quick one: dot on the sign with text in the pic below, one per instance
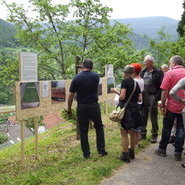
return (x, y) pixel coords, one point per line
(28, 67)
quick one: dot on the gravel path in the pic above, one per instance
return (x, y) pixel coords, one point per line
(150, 169)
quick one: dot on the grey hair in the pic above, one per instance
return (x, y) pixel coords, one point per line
(177, 60)
(164, 66)
(148, 57)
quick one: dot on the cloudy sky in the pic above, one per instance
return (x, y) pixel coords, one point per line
(129, 8)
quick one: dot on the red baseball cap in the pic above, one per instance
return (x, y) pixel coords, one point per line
(137, 67)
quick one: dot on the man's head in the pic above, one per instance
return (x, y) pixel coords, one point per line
(149, 61)
(176, 60)
(164, 68)
(87, 64)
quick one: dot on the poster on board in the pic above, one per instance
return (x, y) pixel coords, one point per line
(28, 67)
(58, 91)
(110, 84)
(29, 95)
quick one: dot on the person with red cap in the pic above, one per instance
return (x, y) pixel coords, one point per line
(137, 69)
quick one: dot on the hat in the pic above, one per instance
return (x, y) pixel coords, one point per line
(128, 69)
(137, 67)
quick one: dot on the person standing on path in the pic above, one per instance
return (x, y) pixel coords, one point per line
(151, 95)
(140, 81)
(85, 84)
(172, 109)
(176, 95)
(132, 118)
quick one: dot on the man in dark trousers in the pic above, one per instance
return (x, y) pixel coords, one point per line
(85, 84)
(151, 95)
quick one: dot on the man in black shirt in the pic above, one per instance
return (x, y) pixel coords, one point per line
(85, 84)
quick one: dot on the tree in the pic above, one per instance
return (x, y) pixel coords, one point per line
(181, 25)
(44, 33)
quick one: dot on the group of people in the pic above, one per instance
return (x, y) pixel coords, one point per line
(141, 90)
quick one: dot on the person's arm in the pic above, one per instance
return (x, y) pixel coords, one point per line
(113, 90)
(163, 101)
(122, 94)
(173, 93)
(70, 101)
(140, 98)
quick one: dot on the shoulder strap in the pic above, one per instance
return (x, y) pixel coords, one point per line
(131, 94)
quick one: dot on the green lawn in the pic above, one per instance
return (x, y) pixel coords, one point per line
(61, 160)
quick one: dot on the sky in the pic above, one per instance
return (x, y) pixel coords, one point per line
(129, 8)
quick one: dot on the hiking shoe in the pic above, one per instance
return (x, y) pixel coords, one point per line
(154, 139)
(125, 157)
(104, 153)
(131, 153)
(160, 152)
(177, 157)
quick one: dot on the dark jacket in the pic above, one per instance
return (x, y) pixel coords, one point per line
(157, 77)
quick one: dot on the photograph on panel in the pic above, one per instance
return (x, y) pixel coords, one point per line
(58, 91)
(29, 95)
(110, 84)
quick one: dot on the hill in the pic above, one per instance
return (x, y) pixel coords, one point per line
(148, 26)
(7, 34)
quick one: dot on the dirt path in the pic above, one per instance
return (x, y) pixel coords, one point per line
(150, 169)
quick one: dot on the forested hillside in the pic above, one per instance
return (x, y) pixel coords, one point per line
(7, 34)
(147, 26)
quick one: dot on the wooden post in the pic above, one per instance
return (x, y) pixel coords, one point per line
(36, 137)
(22, 142)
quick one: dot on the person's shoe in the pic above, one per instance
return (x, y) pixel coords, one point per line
(177, 157)
(154, 139)
(125, 157)
(160, 152)
(131, 153)
(183, 165)
(104, 153)
(87, 156)
(172, 139)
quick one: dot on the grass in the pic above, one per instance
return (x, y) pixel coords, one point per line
(61, 161)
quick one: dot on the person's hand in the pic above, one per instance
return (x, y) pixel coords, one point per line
(68, 112)
(162, 109)
(113, 90)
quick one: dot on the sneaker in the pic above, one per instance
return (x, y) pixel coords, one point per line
(183, 165)
(160, 152)
(154, 139)
(177, 157)
(104, 153)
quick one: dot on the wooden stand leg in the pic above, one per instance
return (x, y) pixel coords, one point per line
(22, 142)
(36, 137)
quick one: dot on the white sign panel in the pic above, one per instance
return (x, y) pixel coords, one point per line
(45, 89)
(28, 67)
(109, 70)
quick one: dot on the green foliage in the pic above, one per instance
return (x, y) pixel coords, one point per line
(30, 122)
(72, 119)
(7, 34)
(162, 49)
(181, 25)
(60, 156)
(3, 138)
